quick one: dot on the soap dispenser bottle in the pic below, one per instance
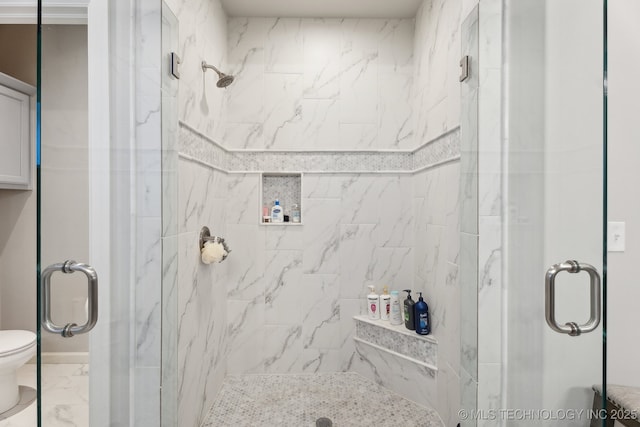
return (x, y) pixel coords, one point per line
(277, 215)
(408, 311)
(385, 304)
(421, 316)
(373, 303)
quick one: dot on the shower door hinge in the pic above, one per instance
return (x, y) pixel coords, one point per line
(175, 61)
(464, 65)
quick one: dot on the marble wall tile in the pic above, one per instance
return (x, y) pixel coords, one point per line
(408, 379)
(197, 199)
(395, 213)
(244, 99)
(469, 304)
(148, 293)
(343, 81)
(283, 348)
(361, 198)
(395, 47)
(359, 71)
(284, 46)
(357, 255)
(203, 36)
(449, 316)
(448, 404)
(318, 360)
(322, 186)
(283, 287)
(246, 263)
(393, 267)
(348, 309)
(322, 70)
(244, 135)
(468, 397)
(282, 123)
(169, 395)
(202, 328)
(322, 240)
(244, 207)
(489, 375)
(358, 135)
(320, 124)
(246, 338)
(284, 238)
(321, 312)
(489, 289)
(395, 120)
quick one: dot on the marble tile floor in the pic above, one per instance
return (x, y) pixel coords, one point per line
(65, 400)
(298, 400)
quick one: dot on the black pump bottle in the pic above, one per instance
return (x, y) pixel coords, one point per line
(409, 322)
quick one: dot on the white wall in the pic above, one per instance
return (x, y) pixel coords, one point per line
(624, 151)
(64, 199)
(18, 58)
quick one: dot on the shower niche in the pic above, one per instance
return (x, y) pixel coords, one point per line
(287, 189)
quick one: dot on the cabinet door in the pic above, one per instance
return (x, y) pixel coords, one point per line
(14, 139)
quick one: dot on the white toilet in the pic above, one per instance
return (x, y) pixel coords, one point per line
(16, 348)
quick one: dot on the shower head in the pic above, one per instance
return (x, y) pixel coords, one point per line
(224, 80)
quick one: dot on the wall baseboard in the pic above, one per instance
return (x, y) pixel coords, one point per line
(80, 357)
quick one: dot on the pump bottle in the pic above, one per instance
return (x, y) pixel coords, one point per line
(408, 311)
(373, 303)
(396, 312)
(385, 304)
(421, 316)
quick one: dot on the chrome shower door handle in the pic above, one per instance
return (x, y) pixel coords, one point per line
(70, 329)
(572, 328)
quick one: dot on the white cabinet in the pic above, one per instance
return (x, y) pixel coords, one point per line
(16, 134)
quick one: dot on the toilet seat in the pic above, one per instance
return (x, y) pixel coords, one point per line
(12, 342)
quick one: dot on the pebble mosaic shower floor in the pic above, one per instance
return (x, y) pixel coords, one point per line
(346, 398)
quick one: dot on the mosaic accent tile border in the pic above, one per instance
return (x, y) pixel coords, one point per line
(202, 148)
(443, 149)
(397, 339)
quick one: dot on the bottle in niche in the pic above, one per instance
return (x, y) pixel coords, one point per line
(421, 316)
(408, 311)
(277, 214)
(373, 303)
(265, 214)
(385, 304)
(295, 213)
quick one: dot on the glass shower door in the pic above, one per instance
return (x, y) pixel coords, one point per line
(68, 300)
(556, 173)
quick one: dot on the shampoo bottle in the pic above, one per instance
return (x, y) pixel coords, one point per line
(421, 316)
(396, 312)
(408, 311)
(373, 303)
(277, 215)
(385, 304)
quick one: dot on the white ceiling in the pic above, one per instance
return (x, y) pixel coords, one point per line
(323, 8)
